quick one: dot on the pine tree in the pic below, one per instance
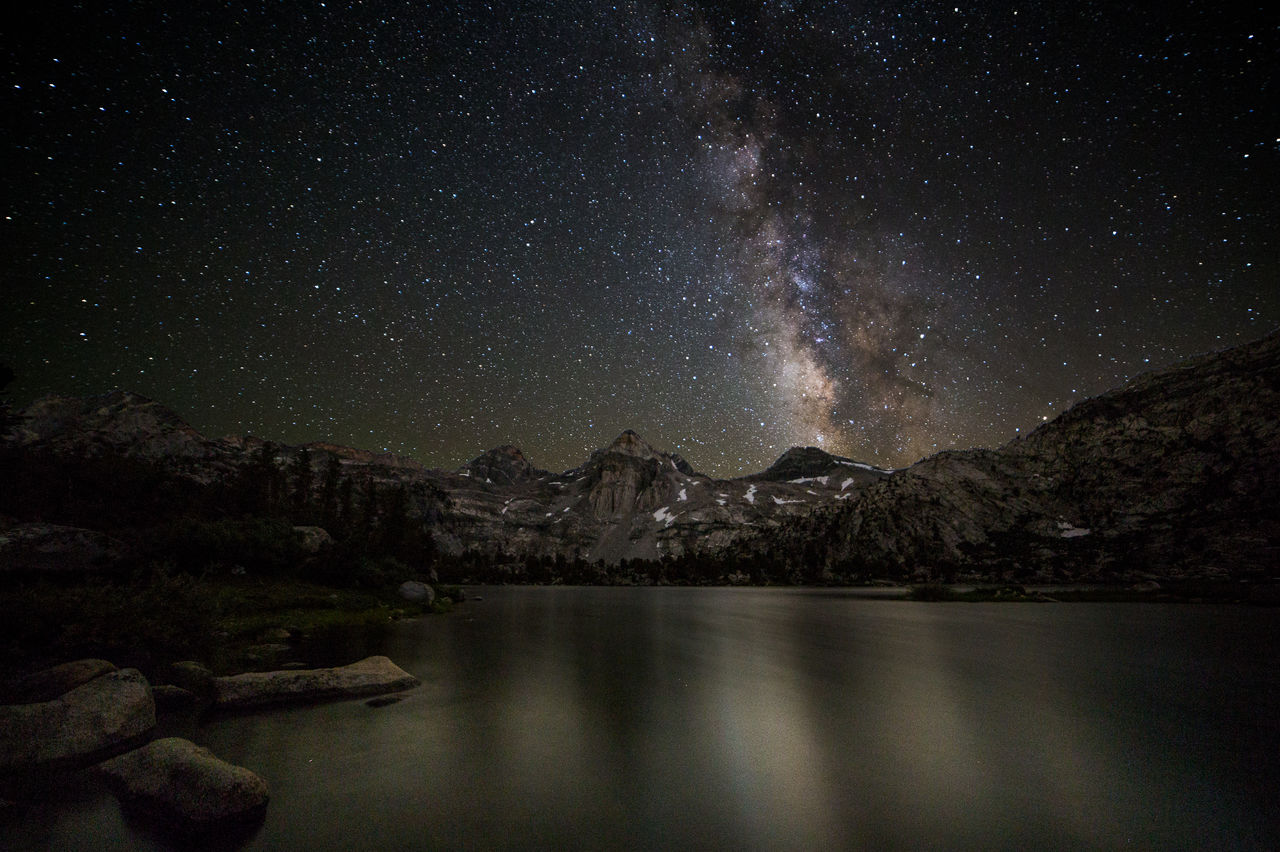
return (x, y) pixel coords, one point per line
(302, 478)
(329, 495)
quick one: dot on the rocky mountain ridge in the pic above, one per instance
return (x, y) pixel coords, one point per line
(626, 501)
(1176, 474)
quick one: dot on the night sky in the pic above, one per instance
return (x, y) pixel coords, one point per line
(437, 228)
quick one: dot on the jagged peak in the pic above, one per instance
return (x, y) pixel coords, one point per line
(799, 462)
(504, 464)
(508, 451)
(630, 443)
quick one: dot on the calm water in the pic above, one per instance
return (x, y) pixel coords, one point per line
(590, 718)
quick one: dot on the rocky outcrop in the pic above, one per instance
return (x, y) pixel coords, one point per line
(105, 715)
(119, 423)
(504, 465)
(417, 592)
(370, 676)
(626, 476)
(1175, 475)
(183, 783)
(192, 677)
(811, 463)
(53, 548)
(48, 684)
(627, 501)
(312, 539)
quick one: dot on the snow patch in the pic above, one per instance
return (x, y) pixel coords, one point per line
(846, 483)
(750, 496)
(721, 500)
(664, 515)
(1072, 531)
(782, 502)
(684, 495)
(805, 480)
(862, 466)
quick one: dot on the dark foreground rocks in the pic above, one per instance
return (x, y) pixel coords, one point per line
(78, 713)
(48, 684)
(186, 785)
(55, 549)
(370, 676)
(105, 715)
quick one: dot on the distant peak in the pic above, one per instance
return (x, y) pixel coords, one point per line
(811, 461)
(631, 443)
(504, 464)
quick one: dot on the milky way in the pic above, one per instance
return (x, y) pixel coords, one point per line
(883, 230)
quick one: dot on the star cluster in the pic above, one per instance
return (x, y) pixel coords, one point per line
(436, 228)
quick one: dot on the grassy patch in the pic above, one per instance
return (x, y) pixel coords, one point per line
(158, 616)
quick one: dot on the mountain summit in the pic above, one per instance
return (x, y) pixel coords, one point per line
(503, 465)
(1175, 476)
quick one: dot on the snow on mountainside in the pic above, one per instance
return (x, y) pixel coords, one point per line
(627, 501)
(1176, 474)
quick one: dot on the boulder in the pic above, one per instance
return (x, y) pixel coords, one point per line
(193, 677)
(52, 548)
(170, 697)
(187, 784)
(50, 683)
(267, 655)
(416, 592)
(312, 539)
(370, 676)
(104, 716)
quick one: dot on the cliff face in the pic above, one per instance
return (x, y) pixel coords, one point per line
(1176, 474)
(627, 501)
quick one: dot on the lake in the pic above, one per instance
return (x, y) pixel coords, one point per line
(602, 718)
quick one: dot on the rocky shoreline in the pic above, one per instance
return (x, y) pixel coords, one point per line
(89, 717)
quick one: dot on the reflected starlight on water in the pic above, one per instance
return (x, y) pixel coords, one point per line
(767, 719)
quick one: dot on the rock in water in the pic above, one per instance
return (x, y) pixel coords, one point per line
(105, 715)
(50, 683)
(412, 590)
(186, 784)
(370, 676)
(193, 677)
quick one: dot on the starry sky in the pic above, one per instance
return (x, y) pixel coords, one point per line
(886, 230)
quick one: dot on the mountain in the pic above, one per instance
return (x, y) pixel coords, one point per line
(1175, 475)
(627, 501)
(812, 463)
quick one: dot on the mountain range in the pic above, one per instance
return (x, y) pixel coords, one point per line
(1177, 474)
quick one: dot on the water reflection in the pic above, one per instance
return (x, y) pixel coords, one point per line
(771, 719)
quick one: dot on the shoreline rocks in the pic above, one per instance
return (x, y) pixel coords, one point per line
(186, 785)
(48, 684)
(370, 676)
(103, 716)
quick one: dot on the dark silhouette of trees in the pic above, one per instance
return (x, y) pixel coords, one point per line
(302, 477)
